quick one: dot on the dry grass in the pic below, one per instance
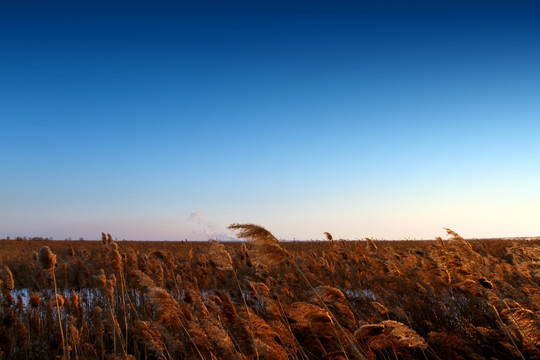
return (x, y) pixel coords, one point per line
(265, 299)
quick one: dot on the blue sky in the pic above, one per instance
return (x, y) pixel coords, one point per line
(171, 120)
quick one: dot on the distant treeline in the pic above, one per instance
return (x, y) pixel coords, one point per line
(33, 238)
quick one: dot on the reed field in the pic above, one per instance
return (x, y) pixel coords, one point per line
(265, 299)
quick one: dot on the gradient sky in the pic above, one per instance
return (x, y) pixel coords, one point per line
(172, 120)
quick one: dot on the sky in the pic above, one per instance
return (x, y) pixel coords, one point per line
(170, 120)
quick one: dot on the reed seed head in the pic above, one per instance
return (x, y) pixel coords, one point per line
(46, 258)
(8, 279)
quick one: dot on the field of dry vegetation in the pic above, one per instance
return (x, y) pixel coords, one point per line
(265, 299)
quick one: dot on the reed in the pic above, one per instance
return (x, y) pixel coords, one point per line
(266, 299)
(47, 261)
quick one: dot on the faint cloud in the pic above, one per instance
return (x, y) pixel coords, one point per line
(197, 215)
(205, 230)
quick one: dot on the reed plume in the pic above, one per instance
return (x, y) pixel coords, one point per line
(148, 333)
(220, 256)
(266, 248)
(46, 258)
(371, 245)
(34, 300)
(337, 303)
(394, 334)
(167, 309)
(453, 235)
(114, 258)
(9, 284)
(144, 281)
(440, 242)
(525, 323)
(253, 232)
(381, 309)
(368, 331)
(267, 341)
